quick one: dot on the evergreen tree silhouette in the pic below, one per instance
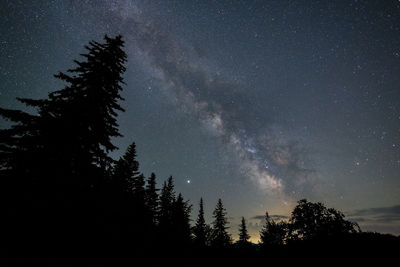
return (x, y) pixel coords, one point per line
(138, 191)
(88, 106)
(152, 209)
(220, 237)
(152, 199)
(200, 228)
(243, 234)
(54, 164)
(167, 200)
(181, 222)
(126, 170)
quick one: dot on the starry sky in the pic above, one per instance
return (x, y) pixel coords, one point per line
(260, 103)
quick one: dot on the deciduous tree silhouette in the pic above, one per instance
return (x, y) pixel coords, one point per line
(272, 234)
(313, 220)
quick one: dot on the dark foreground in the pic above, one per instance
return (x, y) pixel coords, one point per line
(363, 248)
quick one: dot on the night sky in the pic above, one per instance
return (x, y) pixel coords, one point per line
(260, 103)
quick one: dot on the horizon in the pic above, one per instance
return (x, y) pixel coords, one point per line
(258, 103)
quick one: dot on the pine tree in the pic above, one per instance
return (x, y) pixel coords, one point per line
(181, 222)
(87, 107)
(70, 134)
(64, 146)
(126, 170)
(243, 234)
(220, 236)
(200, 229)
(152, 199)
(167, 199)
(54, 163)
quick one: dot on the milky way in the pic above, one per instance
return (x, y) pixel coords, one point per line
(260, 103)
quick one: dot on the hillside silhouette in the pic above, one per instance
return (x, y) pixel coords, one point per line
(66, 202)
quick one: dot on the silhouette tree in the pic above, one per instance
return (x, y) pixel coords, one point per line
(138, 191)
(220, 237)
(126, 170)
(62, 187)
(167, 200)
(88, 106)
(272, 234)
(54, 163)
(152, 200)
(243, 234)
(63, 147)
(181, 222)
(200, 228)
(313, 220)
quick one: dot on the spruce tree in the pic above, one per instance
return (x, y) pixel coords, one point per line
(87, 107)
(220, 237)
(126, 170)
(54, 163)
(243, 234)
(181, 234)
(64, 145)
(152, 199)
(200, 229)
(167, 200)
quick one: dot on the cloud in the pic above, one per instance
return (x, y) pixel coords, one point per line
(385, 215)
(380, 219)
(274, 217)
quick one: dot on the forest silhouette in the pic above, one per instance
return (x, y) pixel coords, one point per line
(66, 202)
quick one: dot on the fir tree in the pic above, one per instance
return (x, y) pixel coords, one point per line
(181, 222)
(87, 107)
(54, 163)
(152, 199)
(243, 234)
(167, 200)
(200, 229)
(126, 170)
(138, 189)
(220, 237)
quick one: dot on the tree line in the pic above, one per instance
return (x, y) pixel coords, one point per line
(65, 198)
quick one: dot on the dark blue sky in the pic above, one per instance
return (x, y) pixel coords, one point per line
(260, 103)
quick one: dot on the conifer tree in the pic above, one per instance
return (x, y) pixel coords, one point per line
(200, 229)
(126, 170)
(152, 199)
(70, 134)
(181, 222)
(220, 237)
(243, 234)
(54, 163)
(87, 107)
(167, 199)
(138, 189)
